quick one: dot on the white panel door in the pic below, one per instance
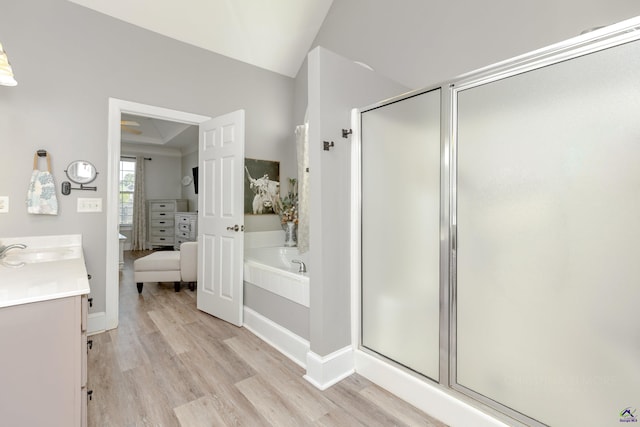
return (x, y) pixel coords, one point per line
(221, 217)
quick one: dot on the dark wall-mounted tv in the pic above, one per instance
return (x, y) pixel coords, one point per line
(195, 178)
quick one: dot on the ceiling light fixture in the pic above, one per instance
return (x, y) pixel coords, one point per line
(6, 73)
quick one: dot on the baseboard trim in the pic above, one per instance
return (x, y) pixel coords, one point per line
(96, 323)
(421, 394)
(325, 371)
(280, 338)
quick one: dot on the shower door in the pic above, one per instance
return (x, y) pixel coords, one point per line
(548, 230)
(400, 231)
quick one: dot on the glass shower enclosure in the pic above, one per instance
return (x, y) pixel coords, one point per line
(401, 198)
(500, 221)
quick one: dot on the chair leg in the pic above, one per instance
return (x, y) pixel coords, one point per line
(139, 284)
(176, 286)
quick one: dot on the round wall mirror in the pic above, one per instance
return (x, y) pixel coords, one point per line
(81, 172)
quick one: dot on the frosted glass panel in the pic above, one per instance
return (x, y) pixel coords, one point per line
(548, 265)
(400, 231)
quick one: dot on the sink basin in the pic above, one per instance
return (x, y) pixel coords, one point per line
(50, 267)
(18, 257)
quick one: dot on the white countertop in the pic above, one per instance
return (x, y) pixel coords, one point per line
(50, 267)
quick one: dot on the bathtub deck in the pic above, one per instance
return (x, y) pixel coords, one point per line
(169, 364)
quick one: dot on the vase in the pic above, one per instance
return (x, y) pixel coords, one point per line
(290, 234)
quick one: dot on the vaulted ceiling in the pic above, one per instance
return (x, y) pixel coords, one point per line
(275, 35)
(271, 34)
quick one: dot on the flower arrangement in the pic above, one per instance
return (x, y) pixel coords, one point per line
(288, 208)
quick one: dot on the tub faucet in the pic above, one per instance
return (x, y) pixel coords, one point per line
(303, 267)
(5, 249)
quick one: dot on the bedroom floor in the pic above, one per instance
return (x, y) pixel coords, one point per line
(169, 364)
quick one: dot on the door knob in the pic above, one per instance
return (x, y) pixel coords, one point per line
(234, 228)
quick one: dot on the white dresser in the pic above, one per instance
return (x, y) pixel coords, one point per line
(186, 228)
(162, 221)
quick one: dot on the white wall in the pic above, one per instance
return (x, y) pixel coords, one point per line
(68, 61)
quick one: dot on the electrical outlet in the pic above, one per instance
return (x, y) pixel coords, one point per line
(4, 204)
(89, 205)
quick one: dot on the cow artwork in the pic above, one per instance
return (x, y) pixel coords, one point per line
(264, 193)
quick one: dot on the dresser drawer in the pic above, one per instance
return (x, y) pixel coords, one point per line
(182, 234)
(161, 240)
(162, 206)
(161, 231)
(161, 215)
(162, 223)
(179, 241)
(183, 219)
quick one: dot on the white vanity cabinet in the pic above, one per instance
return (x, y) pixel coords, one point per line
(186, 228)
(43, 332)
(43, 363)
(161, 220)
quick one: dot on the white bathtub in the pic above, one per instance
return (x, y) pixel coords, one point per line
(271, 269)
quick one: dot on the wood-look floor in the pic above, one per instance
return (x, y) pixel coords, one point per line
(169, 364)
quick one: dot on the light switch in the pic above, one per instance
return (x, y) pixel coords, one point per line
(89, 205)
(4, 204)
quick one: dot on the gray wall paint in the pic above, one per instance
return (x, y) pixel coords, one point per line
(420, 43)
(416, 43)
(162, 174)
(336, 85)
(190, 161)
(162, 177)
(287, 314)
(68, 61)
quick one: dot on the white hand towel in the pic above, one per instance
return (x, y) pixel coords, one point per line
(41, 196)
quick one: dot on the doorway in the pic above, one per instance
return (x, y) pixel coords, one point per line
(117, 107)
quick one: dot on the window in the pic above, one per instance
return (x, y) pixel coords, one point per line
(127, 185)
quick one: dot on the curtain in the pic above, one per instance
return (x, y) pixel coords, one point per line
(302, 148)
(139, 231)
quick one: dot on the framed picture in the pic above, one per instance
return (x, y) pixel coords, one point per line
(261, 187)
